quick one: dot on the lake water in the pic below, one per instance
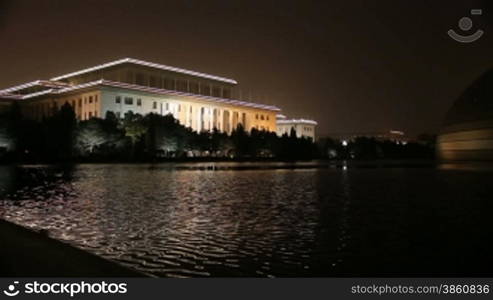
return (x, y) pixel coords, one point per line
(226, 219)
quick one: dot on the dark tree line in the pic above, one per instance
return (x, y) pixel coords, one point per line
(364, 148)
(154, 137)
(135, 138)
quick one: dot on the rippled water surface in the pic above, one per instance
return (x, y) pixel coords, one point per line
(169, 220)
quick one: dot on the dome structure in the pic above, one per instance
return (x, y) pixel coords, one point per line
(467, 132)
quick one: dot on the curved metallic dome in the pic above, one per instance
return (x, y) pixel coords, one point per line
(467, 132)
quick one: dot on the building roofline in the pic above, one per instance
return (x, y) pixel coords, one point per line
(109, 83)
(148, 64)
(43, 83)
(10, 97)
(297, 121)
(20, 87)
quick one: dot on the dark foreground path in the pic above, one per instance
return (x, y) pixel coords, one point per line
(25, 253)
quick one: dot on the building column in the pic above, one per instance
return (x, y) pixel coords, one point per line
(211, 111)
(231, 121)
(220, 120)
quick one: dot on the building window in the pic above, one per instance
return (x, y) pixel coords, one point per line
(80, 102)
(90, 114)
(96, 99)
(267, 117)
(167, 106)
(118, 114)
(169, 84)
(261, 117)
(256, 116)
(140, 79)
(216, 91)
(118, 99)
(182, 85)
(154, 105)
(205, 89)
(139, 102)
(194, 87)
(90, 99)
(129, 100)
(226, 93)
(153, 81)
(129, 77)
(202, 121)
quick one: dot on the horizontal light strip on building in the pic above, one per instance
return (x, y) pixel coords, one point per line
(147, 64)
(297, 121)
(152, 90)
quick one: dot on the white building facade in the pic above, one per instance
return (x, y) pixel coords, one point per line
(197, 100)
(303, 127)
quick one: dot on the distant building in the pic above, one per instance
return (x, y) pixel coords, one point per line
(397, 136)
(197, 100)
(303, 127)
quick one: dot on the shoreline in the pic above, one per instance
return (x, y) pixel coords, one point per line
(234, 161)
(27, 253)
(244, 165)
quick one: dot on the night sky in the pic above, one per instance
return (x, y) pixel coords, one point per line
(354, 66)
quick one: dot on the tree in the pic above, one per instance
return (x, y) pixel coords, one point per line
(165, 134)
(134, 128)
(59, 133)
(240, 140)
(6, 138)
(90, 135)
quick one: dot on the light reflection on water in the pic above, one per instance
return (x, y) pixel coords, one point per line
(307, 222)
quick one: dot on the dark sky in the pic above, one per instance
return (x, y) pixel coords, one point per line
(354, 66)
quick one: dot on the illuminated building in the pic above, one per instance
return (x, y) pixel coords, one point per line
(303, 127)
(197, 100)
(467, 132)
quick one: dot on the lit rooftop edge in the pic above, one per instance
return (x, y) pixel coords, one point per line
(147, 64)
(297, 121)
(149, 90)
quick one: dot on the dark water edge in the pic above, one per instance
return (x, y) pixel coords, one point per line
(233, 164)
(26, 253)
(305, 219)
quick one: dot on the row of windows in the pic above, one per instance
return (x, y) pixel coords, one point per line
(45, 109)
(262, 117)
(130, 101)
(288, 129)
(182, 85)
(90, 114)
(86, 100)
(267, 128)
